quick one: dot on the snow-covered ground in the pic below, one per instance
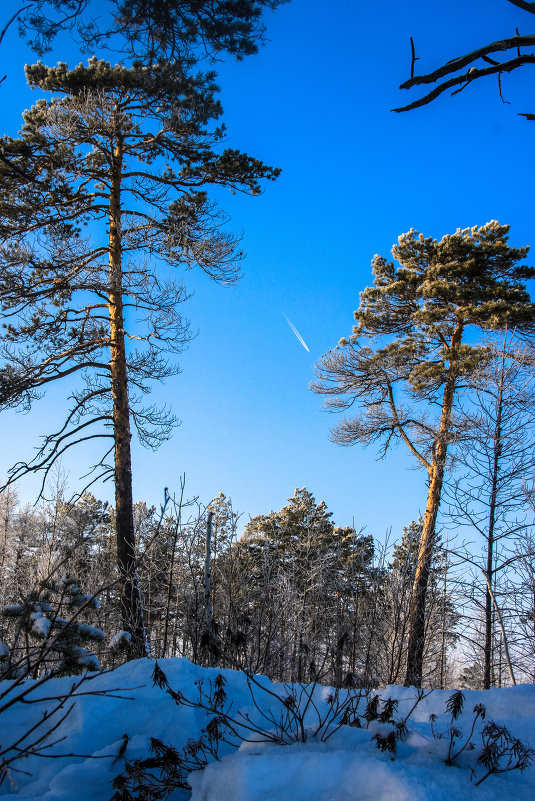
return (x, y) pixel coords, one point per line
(347, 767)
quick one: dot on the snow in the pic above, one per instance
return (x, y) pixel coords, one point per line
(346, 767)
(86, 659)
(315, 771)
(120, 640)
(41, 624)
(90, 632)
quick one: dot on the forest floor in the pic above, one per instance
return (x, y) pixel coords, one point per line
(346, 766)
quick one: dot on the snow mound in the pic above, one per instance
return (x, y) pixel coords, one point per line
(348, 766)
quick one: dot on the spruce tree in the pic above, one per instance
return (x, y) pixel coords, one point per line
(421, 318)
(127, 152)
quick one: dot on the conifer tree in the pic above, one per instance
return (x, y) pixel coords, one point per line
(147, 29)
(306, 582)
(420, 316)
(127, 152)
(300, 532)
(224, 524)
(55, 636)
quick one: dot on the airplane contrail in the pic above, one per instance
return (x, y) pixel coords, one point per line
(296, 332)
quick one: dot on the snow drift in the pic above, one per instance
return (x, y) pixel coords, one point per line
(88, 745)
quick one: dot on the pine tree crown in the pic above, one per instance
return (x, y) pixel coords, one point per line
(471, 277)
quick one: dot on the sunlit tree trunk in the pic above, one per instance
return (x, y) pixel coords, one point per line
(415, 649)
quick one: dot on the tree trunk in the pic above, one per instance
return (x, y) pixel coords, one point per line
(497, 448)
(130, 600)
(443, 642)
(415, 649)
(209, 642)
(504, 635)
(169, 593)
(208, 612)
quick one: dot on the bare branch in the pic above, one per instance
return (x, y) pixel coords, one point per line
(472, 74)
(414, 57)
(525, 5)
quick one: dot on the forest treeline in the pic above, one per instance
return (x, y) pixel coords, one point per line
(295, 597)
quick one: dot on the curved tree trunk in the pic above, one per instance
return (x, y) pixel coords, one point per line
(416, 644)
(130, 600)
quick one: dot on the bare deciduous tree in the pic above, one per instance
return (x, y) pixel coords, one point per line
(487, 492)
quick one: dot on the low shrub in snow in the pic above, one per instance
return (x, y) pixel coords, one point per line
(500, 752)
(300, 714)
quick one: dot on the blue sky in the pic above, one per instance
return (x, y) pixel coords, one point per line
(316, 101)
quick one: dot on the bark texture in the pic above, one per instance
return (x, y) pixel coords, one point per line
(130, 599)
(416, 643)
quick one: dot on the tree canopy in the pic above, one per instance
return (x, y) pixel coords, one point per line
(146, 29)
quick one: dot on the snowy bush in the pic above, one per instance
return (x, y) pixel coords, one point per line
(47, 633)
(500, 751)
(118, 716)
(298, 714)
(120, 641)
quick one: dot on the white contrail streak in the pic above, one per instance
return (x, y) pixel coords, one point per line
(296, 332)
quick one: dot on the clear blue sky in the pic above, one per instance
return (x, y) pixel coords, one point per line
(316, 102)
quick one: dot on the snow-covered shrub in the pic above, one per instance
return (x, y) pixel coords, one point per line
(47, 632)
(299, 713)
(120, 641)
(305, 713)
(47, 637)
(500, 751)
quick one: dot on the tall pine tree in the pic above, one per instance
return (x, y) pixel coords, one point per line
(128, 153)
(420, 317)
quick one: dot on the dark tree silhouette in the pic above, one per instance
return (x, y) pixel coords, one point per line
(495, 58)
